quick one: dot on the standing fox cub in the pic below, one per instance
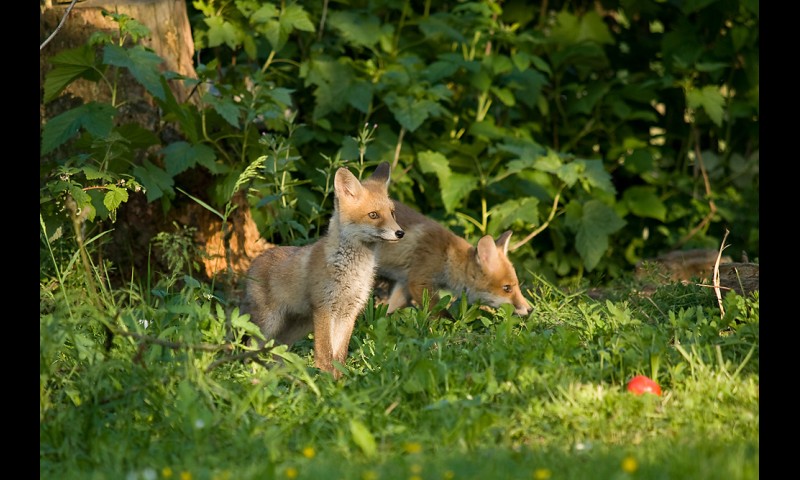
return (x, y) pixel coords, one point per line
(432, 257)
(322, 287)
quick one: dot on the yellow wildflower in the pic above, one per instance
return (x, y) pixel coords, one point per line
(629, 464)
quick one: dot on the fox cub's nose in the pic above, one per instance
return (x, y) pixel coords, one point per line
(399, 234)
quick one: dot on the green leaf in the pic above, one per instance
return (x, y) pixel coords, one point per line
(297, 17)
(505, 214)
(96, 118)
(710, 99)
(180, 156)
(455, 188)
(281, 95)
(528, 86)
(363, 437)
(436, 27)
(360, 96)
(115, 197)
(643, 201)
(225, 107)
(357, 28)
(243, 322)
(264, 13)
(156, 181)
(570, 29)
(595, 175)
(333, 81)
(221, 31)
(434, 162)
(68, 66)
(596, 223)
(409, 112)
(142, 63)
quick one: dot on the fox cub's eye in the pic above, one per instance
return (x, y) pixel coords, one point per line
(373, 215)
(507, 288)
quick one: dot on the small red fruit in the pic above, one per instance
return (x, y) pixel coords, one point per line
(641, 384)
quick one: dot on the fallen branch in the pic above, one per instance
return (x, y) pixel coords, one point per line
(60, 24)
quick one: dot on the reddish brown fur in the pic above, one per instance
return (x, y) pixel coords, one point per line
(432, 257)
(324, 286)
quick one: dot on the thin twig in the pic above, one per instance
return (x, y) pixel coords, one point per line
(711, 205)
(716, 275)
(60, 24)
(542, 226)
(322, 20)
(398, 147)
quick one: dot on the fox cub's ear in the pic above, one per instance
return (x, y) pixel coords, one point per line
(382, 173)
(502, 241)
(345, 183)
(487, 253)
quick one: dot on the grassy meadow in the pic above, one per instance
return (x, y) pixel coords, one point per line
(154, 382)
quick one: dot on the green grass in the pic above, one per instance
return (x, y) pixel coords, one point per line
(486, 395)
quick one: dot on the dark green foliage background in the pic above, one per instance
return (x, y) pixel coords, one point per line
(493, 113)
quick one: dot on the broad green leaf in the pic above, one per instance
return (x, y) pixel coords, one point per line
(93, 173)
(411, 112)
(504, 95)
(434, 162)
(590, 27)
(710, 99)
(499, 64)
(503, 215)
(281, 95)
(181, 156)
(357, 28)
(595, 175)
(96, 118)
(436, 26)
(333, 81)
(225, 107)
(486, 128)
(455, 188)
(297, 17)
(596, 223)
(438, 70)
(156, 181)
(142, 63)
(643, 201)
(275, 34)
(264, 13)
(68, 66)
(360, 96)
(242, 322)
(221, 31)
(528, 86)
(363, 437)
(550, 163)
(115, 197)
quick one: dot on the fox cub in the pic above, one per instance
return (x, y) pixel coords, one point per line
(432, 257)
(322, 287)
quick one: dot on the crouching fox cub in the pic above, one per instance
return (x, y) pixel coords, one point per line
(322, 287)
(432, 257)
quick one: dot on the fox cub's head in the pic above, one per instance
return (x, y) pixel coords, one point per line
(364, 209)
(494, 281)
